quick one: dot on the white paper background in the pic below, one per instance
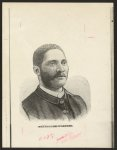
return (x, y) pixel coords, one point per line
(84, 32)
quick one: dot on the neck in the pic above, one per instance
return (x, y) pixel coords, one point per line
(52, 89)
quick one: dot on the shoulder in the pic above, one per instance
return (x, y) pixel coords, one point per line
(28, 100)
(78, 101)
(28, 103)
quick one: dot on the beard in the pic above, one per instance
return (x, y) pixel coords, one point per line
(53, 81)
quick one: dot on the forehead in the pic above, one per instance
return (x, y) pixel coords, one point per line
(54, 54)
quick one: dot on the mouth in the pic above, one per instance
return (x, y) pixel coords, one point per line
(61, 77)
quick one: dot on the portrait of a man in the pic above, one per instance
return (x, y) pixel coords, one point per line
(51, 100)
(58, 81)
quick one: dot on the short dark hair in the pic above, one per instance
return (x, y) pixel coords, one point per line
(40, 52)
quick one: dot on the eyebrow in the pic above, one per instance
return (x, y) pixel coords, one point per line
(52, 61)
(64, 60)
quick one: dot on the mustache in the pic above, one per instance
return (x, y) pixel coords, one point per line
(59, 74)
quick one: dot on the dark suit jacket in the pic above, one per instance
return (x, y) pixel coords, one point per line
(42, 105)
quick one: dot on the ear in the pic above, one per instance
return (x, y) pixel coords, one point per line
(36, 70)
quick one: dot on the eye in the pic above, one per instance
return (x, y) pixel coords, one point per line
(52, 63)
(64, 62)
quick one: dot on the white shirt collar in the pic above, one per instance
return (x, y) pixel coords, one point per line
(53, 93)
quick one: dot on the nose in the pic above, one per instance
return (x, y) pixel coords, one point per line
(60, 68)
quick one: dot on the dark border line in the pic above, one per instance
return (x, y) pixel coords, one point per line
(63, 1)
(54, 126)
(112, 71)
(1, 72)
(115, 72)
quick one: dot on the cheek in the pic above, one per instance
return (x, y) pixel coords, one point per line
(49, 70)
(66, 69)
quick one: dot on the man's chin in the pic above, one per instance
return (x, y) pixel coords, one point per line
(55, 84)
(58, 83)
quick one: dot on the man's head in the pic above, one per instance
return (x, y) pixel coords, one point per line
(50, 65)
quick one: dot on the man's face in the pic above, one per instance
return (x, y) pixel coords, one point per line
(54, 69)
